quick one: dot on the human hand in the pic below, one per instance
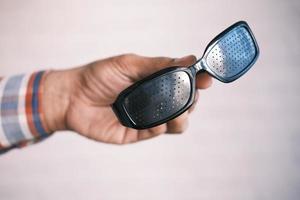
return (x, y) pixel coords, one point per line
(80, 99)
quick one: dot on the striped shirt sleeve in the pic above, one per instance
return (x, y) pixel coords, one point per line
(21, 115)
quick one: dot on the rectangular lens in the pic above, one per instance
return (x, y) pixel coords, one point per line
(233, 53)
(159, 98)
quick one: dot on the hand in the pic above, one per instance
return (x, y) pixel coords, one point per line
(80, 99)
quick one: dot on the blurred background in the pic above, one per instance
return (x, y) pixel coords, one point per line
(243, 141)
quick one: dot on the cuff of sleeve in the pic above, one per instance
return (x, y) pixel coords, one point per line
(21, 114)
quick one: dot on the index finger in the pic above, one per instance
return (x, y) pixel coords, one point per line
(203, 80)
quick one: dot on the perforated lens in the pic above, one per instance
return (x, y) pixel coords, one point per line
(159, 98)
(232, 54)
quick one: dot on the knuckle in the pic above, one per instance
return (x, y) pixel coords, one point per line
(127, 56)
(119, 142)
(158, 129)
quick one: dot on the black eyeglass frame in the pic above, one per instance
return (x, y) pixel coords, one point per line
(198, 67)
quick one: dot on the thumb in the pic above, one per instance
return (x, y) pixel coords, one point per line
(185, 61)
(144, 66)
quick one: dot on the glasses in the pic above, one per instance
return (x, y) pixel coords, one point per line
(166, 94)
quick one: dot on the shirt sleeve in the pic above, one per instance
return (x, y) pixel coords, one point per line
(21, 114)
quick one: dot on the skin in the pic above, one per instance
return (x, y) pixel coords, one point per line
(80, 99)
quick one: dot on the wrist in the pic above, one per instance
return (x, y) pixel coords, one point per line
(58, 86)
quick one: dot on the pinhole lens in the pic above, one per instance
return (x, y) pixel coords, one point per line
(232, 54)
(159, 98)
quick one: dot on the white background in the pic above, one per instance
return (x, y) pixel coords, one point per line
(243, 141)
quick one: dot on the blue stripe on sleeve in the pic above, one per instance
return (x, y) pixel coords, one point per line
(35, 105)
